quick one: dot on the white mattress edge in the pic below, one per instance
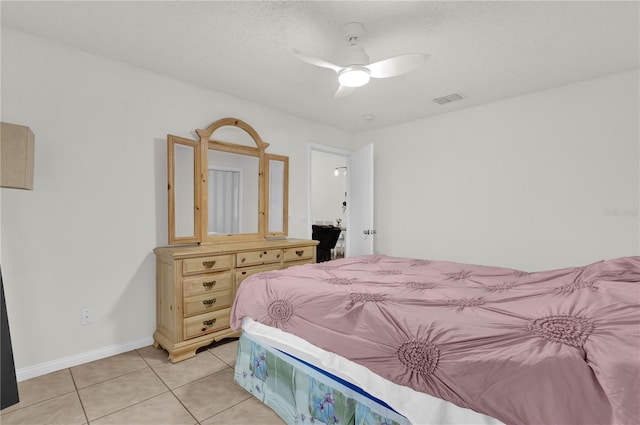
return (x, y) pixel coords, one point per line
(419, 408)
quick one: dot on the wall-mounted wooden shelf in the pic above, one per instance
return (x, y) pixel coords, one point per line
(16, 153)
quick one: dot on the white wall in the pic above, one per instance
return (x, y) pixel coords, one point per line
(531, 182)
(549, 179)
(83, 238)
(328, 190)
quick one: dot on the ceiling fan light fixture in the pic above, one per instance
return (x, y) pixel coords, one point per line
(354, 76)
(360, 70)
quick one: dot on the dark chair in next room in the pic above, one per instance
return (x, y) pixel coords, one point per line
(328, 237)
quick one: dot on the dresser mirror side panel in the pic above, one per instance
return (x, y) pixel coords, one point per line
(183, 170)
(277, 195)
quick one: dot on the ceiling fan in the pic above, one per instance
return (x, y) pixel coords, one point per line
(359, 71)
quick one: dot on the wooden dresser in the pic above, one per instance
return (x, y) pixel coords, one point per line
(196, 286)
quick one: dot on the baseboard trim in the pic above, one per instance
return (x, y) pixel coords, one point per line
(78, 359)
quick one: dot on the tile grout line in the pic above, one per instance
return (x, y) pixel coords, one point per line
(170, 390)
(113, 378)
(84, 411)
(4, 413)
(185, 407)
(126, 407)
(120, 376)
(76, 389)
(249, 395)
(139, 402)
(198, 422)
(232, 367)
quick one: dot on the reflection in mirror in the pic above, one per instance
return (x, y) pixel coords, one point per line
(276, 196)
(235, 135)
(225, 208)
(277, 189)
(184, 190)
(233, 193)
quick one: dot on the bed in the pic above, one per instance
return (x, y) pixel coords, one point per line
(442, 342)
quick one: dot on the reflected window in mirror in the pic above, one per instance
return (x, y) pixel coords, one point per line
(225, 208)
(233, 193)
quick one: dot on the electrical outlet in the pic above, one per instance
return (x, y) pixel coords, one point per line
(85, 317)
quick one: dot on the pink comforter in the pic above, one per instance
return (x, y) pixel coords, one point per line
(555, 347)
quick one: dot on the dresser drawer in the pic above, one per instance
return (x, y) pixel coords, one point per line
(258, 257)
(242, 274)
(204, 284)
(205, 303)
(299, 263)
(294, 254)
(206, 323)
(206, 264)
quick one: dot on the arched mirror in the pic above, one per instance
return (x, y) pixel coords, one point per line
(224, 187)
(233, 186)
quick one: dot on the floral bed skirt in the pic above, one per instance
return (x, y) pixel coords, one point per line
(303, 394)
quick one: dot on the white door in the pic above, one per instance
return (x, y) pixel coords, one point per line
(360, 232)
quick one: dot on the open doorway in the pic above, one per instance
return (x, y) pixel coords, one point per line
(328, 192)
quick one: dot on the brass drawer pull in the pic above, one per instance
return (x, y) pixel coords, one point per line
(299, 253)
(209, 284)
(209, 302)
(208, 264)
(209, 322)
(243, 260)
(261, 255)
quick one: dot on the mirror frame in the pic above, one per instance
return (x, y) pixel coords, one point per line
(200, 207)
(171, 142)
(285, 195)
(206, 143)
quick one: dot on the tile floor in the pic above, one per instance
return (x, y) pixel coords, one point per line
(142, 387)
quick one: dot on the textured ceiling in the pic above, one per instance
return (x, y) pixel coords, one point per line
(484, 50)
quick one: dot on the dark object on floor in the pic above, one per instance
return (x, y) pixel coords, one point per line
(328, 237)
(9, 388)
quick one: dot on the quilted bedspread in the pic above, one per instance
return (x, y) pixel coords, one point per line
(554, 347)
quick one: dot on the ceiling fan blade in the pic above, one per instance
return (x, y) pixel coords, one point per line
(343, 91)
(316, 61)
(396, 66)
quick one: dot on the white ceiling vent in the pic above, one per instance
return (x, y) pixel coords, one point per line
(448, 98)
